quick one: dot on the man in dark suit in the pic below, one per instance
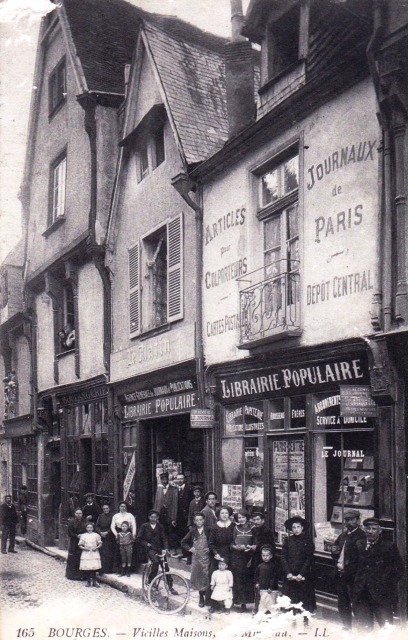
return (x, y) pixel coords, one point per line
(166, 503)
(210, 517)
(90, 510)
(9, 519)
(262, 535)
(183, 503)
(345, 555)
(379, 569)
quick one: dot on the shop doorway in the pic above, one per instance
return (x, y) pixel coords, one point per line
(175, 447)
(87, 464)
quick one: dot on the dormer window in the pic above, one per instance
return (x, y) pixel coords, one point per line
(150, 152)
(283, 42)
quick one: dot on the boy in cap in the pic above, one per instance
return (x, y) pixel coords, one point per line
(344, 553)
(379, 569)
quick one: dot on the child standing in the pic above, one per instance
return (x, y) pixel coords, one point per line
(125, 541)
(266, 581)
(221, 587)
(90, 560)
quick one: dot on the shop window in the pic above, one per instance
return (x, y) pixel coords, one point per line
(150, 153)
(58, 172)
(287, 413)
(158, 260)
(287, 459)
(57, 87)
(25, 470)
(101, 466)
(343, 464)
(243, 484)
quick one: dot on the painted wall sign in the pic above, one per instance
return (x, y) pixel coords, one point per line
(180, 403)
(202, 418)
(149, 354)
(95, 393)
(129, 476)
(165, 389)
(284, 380)
(340, 213)
(357, 401)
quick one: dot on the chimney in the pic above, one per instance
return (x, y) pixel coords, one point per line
(239, 74)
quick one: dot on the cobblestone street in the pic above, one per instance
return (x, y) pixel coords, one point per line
(37, 601)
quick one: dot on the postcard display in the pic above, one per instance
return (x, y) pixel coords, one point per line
(288, 460)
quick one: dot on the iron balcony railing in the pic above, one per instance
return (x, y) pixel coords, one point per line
(270, 302)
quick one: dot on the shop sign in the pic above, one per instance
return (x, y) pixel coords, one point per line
(180, 403)
(129, 476)
(357, 401)
(247, 418)
(202, 419)
(281, 381)
(164, 389)
(87, 395)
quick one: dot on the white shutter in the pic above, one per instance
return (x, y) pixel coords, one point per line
(59, 190)
(175, 269)
(134, 290)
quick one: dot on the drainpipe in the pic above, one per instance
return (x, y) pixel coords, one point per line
(184, 185)
(382, 297)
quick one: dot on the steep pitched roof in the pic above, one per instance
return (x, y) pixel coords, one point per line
(193, 79)
(104, 33)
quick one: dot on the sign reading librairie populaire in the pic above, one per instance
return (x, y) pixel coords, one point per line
(356, 400)
(284, 380)
(166, 405)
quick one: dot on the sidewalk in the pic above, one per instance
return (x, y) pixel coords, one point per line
(132, 586)
(326, 614)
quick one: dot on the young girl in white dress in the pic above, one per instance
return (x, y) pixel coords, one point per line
(221, 586)
(90, 562)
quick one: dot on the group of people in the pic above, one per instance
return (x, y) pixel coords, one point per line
(10, 518)
(368, 569)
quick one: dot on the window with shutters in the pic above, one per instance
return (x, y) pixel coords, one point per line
(156, 278)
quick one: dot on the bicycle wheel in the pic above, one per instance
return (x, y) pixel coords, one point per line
(168, 593)
(145, 585)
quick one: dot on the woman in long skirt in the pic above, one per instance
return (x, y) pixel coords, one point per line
(108, 548)
(297, 563)
(76, 526)
(196, 543)
(241, 556)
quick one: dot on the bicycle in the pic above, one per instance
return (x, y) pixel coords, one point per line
(168, 592)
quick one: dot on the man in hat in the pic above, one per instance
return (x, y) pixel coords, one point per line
(183, 504)
(8, 521)
(210, 517)
(262, 535)
(196, 505)
(344, 553)
(166, 502)
(90, 509)
(379, 569)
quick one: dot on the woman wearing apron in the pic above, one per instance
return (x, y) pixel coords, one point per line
(196, 543)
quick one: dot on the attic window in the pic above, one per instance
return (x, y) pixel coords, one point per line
(150, 152)
(57, 87)
(283, 42)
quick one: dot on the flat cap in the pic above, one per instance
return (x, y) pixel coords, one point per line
(369, 521)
